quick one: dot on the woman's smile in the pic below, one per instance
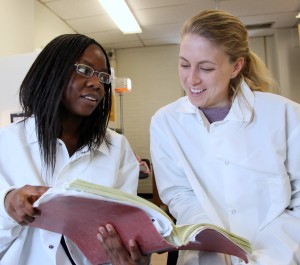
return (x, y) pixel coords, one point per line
(92, 98)
(197, 91)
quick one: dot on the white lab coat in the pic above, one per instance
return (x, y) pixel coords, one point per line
(243, 177)
(115, 165)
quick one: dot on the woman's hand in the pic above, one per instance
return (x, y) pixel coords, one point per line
(116, 250)
(18, 203)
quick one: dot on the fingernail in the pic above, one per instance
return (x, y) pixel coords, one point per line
(100, 237)
(131, 243)
(101, 230)
(108, 227)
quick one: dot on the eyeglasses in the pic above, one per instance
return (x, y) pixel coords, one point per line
(88, 71)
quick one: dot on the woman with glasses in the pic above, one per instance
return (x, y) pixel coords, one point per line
(228, 153)
(66, 99)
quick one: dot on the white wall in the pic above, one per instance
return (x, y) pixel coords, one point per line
(155, 83)
(29, 29)
(257, 45)
(47, 26)
(12, 72)
(265, 48)
(26, 26)
(288, 52)
(271, 56)
(16, 26)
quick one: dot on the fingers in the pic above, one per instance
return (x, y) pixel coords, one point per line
(113, 245)
(18, 203)
(117, 252)
(136, 255)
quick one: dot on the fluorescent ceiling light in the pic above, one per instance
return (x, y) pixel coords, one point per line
(121, 15)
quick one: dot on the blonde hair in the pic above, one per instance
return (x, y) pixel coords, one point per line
(229, 32)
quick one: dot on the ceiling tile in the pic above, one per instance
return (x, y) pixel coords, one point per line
(92, 24)
(259, 7)
(161, 41)
(146, 4)
(157, 31)
(282, 20)
(170, 14)
(113, 36)
(123, 45)
(68, 9)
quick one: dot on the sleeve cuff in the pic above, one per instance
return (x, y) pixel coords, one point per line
(3, 193)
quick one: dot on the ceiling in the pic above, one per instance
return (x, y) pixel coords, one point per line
(161, 20)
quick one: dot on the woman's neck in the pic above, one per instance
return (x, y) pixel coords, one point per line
(70, 134)
(215, 114)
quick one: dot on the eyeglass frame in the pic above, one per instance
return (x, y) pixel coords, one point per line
(94, 71)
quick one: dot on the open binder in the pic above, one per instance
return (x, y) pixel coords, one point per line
(78, 209)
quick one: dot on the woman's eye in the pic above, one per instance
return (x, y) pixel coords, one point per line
(87, 71)
(82, 70)
(207, 69)
(184, 65)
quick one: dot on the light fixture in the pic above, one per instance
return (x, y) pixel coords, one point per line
(298, 16)
(121, 15)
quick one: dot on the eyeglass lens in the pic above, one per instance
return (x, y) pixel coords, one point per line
(89, 71)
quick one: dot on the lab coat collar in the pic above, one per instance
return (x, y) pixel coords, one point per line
(242, 106)
(241, 109)
(186, 106)
(32, 137)
(29, 126)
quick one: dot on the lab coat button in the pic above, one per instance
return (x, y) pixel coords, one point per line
(233, 211)
(51, 246)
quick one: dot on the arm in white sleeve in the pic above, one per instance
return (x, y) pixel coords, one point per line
(173, 186)
(128, 173)
(9, 228)
(279, 242)
(293, 168)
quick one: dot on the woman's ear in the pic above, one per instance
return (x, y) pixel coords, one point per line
(238, 65)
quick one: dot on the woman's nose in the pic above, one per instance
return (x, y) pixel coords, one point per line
(193, 77)
(94, 82)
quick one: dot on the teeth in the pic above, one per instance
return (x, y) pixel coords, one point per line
(90, 98)
(197, 90)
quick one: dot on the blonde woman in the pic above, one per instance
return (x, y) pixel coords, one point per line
(228, 153)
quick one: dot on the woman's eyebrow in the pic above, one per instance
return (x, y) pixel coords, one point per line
(209, 62)
(182, 58)
(103, 69)
(201, 62)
